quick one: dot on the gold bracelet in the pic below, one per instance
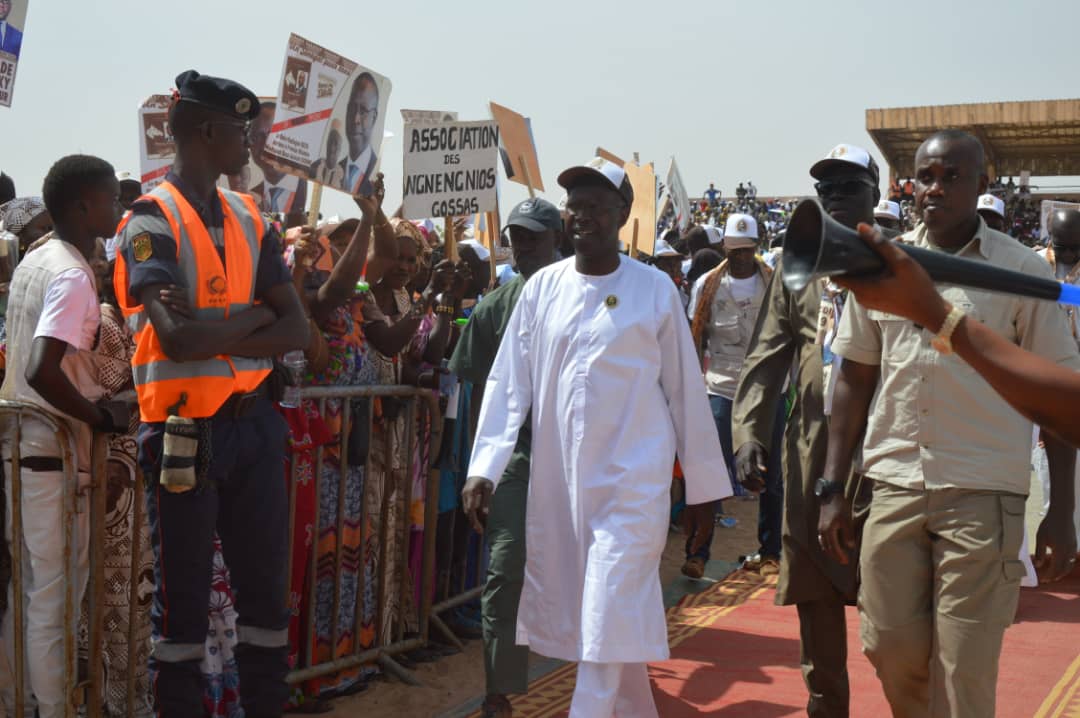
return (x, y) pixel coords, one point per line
(443, 309)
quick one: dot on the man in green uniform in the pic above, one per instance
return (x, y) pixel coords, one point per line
(533, 227)
(787, 331)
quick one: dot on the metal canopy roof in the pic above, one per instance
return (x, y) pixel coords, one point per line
(1042, 137)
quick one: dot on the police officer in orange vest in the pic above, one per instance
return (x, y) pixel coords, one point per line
(211, 445)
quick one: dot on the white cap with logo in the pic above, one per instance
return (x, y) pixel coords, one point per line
(741, 231)
(991, 203)
(846, 154)
(887, 209)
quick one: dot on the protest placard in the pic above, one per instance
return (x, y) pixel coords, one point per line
(427, 117)
(451, 169)
(518, 149)
(328, 121)
(13, 23)
(639, 232)
(680, 199)
(156, 146)
(610, 157)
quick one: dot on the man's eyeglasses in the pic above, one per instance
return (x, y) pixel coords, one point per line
(244, 127)
(1064, 248)
(847, 187)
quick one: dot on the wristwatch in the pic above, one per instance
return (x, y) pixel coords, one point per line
(943, 341)
(823, 488)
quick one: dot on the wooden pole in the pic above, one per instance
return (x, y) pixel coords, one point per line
(633, 241)
(316, 201)
(528, 177)
(493, 242)
(449, 240)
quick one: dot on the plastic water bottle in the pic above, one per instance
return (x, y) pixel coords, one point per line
(295, 362)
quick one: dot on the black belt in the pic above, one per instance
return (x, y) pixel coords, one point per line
(41, 463)
(241, 405)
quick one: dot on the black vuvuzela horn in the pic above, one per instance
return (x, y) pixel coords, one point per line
(816, 245)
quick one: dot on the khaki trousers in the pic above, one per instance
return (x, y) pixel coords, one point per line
(940, 582)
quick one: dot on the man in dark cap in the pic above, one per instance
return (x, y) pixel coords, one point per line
(603, 363)
(533, 227)
(206, 372)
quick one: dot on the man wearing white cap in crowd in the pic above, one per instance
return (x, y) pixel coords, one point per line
(887, 216)
(992, 210)
(796, 328)
(601, 350)
(670, 261)
(726, 302)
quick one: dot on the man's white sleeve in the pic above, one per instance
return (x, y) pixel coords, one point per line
(681, 380)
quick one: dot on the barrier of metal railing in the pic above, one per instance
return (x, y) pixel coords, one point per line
(79, 690)
(86, 692)
(420, 409)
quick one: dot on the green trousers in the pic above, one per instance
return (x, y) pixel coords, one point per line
(506, 665)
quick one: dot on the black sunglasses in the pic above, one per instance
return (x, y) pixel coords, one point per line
(827, 188)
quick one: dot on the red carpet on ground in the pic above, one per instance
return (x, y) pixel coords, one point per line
(735, 654)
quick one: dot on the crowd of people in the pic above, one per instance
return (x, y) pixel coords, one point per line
(210, 309)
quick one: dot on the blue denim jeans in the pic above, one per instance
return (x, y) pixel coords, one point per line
(771, 500)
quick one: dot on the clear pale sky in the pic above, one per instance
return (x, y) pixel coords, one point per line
(735, 90)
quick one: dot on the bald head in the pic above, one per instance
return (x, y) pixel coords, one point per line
(1065, 236)
(1065, 227)
(956, 143)
(950, 175)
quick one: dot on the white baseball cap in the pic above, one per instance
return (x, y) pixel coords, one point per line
(599, 167)
(128, 177)
(845, 154)
(991, 203)
(885, 209)
(716, 234)
(663, 249)
(741, 231)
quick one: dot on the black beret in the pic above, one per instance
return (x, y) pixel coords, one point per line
(218, 94)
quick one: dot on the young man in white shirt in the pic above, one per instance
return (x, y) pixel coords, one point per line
(52, 322)
(725, 304)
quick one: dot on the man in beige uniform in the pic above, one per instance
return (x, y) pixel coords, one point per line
(949, 459)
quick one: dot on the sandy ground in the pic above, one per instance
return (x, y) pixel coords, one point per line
(453, 681)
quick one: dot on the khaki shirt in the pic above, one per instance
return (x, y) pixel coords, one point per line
(934, 422)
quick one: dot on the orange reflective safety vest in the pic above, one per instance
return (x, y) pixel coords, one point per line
(214, 292)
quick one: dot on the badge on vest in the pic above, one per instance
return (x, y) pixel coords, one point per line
(142, 247)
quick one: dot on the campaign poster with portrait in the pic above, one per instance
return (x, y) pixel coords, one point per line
(328, 121)
(156, 146)
(451, 169)
(12, 26)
